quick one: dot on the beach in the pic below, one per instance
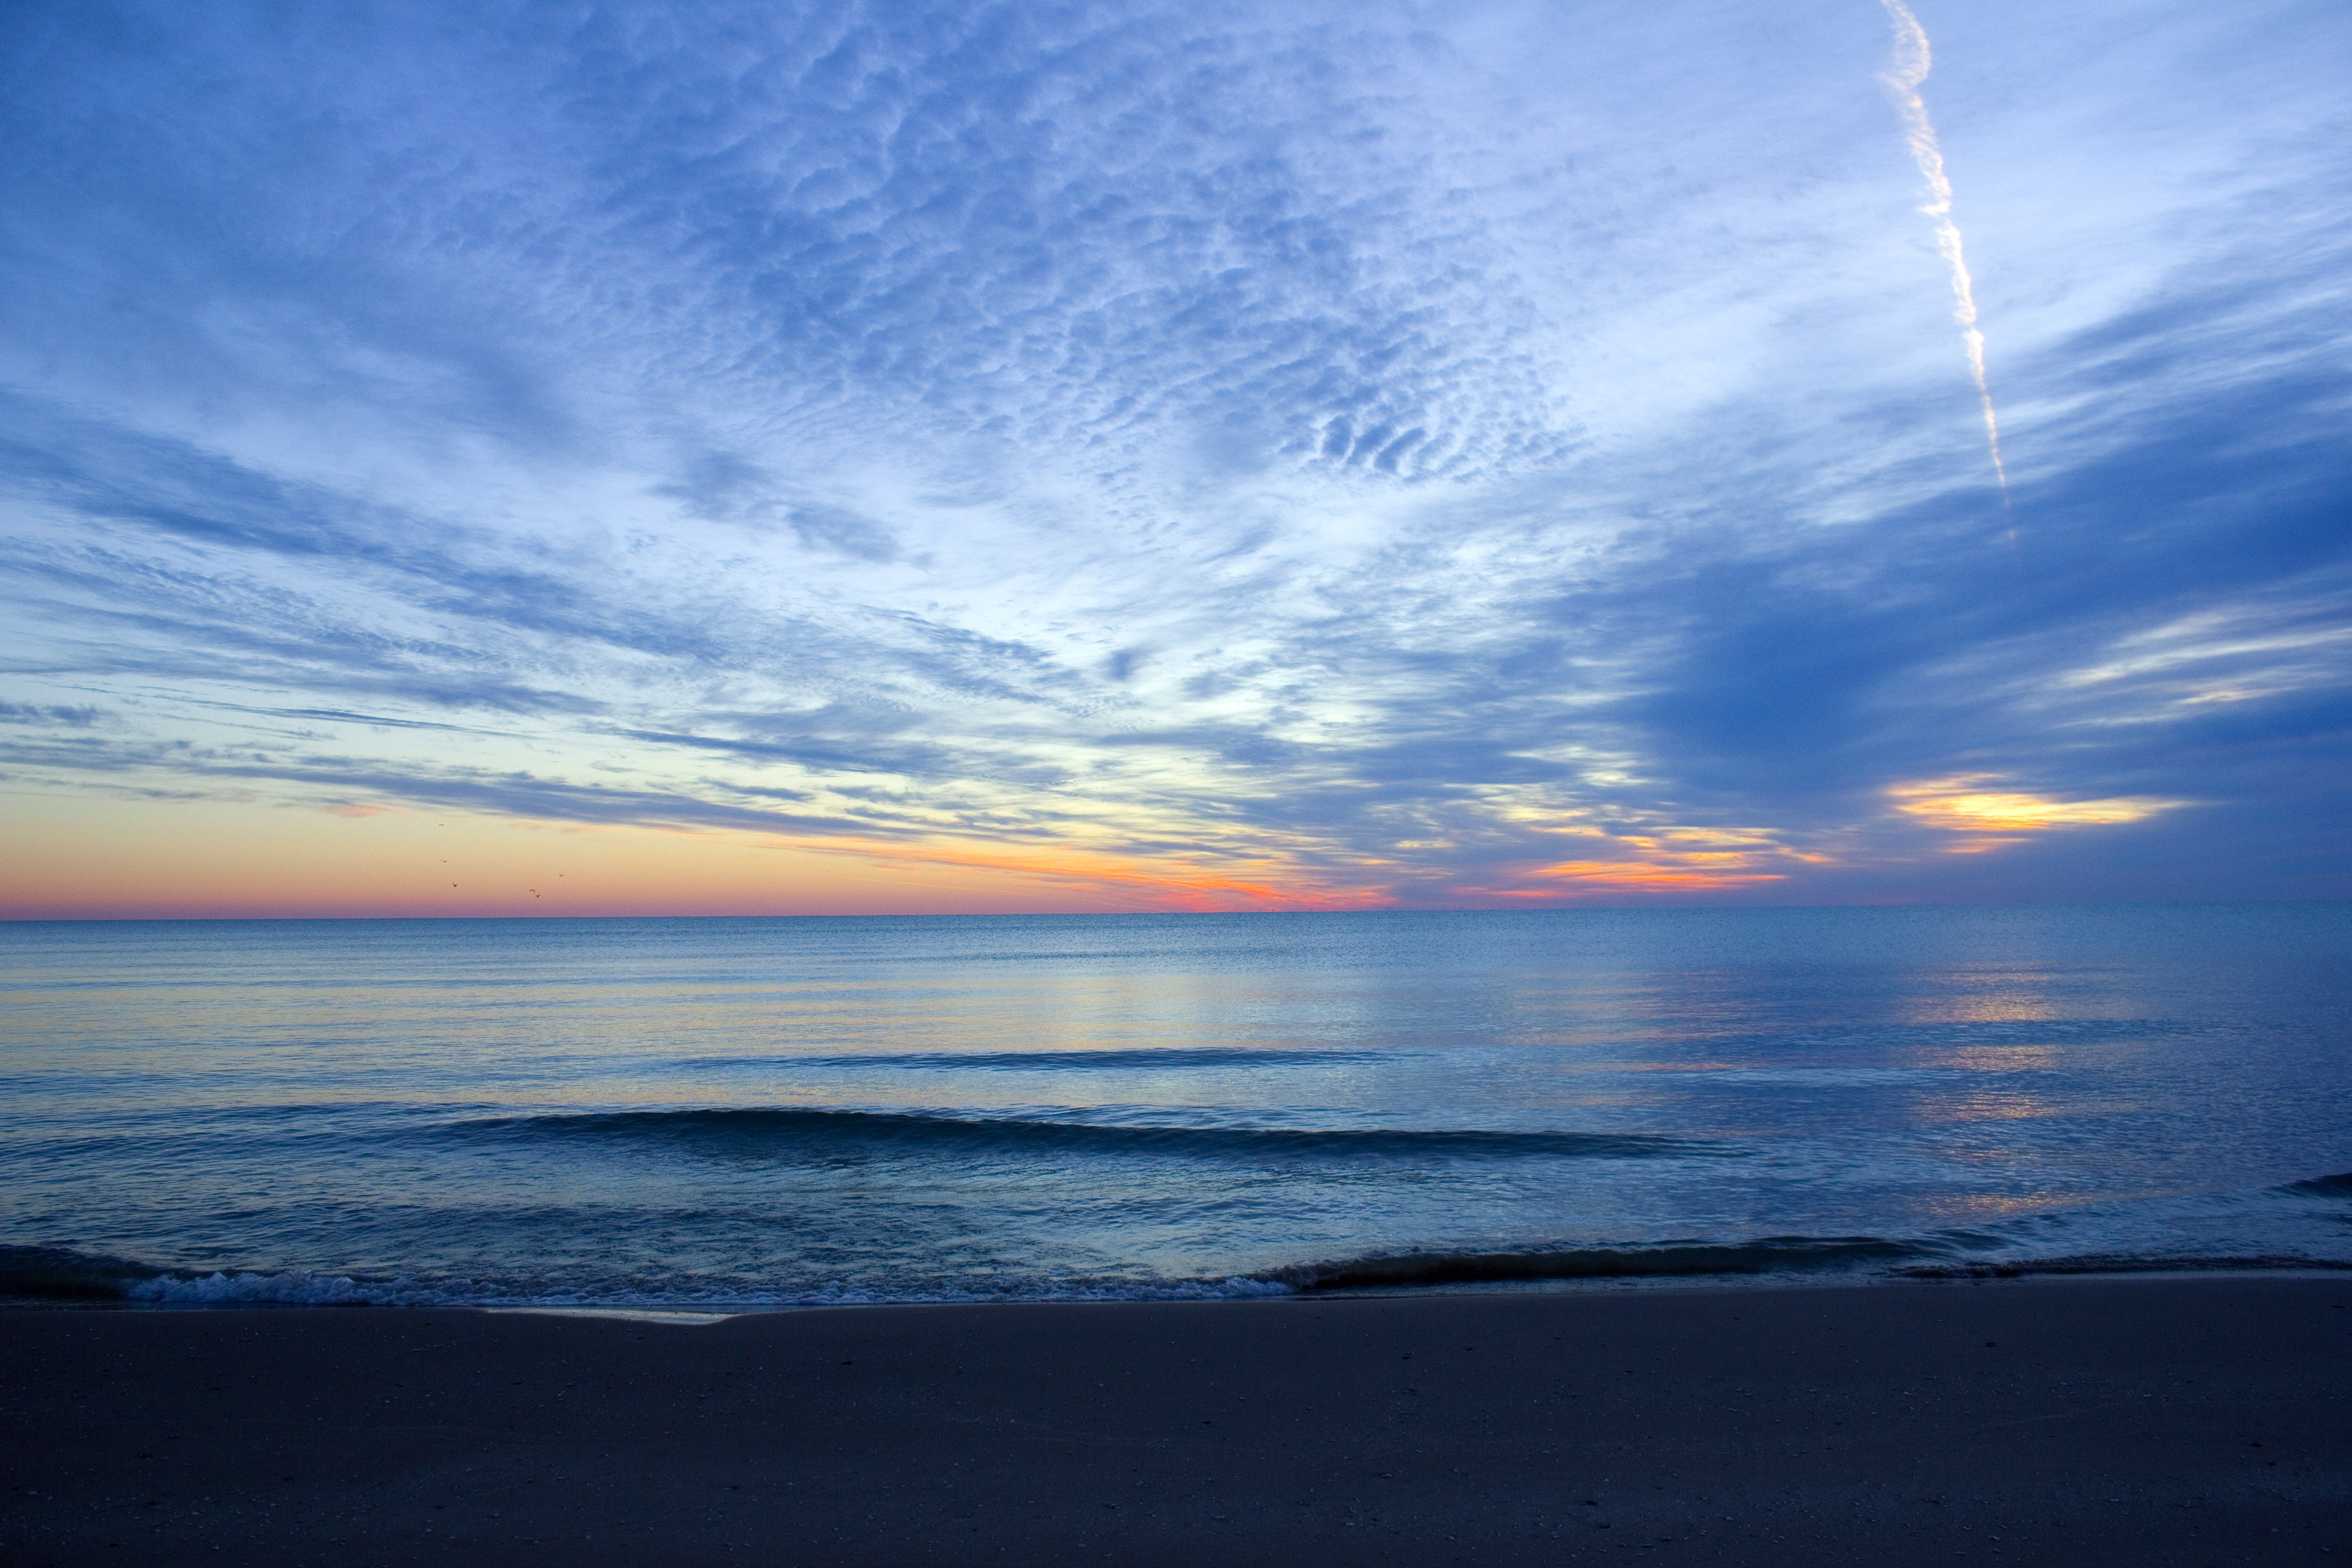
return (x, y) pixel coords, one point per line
(2080, 1421)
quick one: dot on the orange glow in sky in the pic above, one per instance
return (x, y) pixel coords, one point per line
(1962, 804)
(81, 858)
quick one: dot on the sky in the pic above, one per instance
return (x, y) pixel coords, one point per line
(573, 458)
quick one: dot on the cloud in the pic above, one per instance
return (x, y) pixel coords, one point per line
(1965, 803)
(1324, 454)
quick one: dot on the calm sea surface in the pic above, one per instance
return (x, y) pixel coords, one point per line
(702, 1113)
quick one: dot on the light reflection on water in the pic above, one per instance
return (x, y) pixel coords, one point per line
(1976, 1205)
(409, 1097)
(2002, 1106)
(1994, 1059)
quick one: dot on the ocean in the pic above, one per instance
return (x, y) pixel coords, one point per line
(733, 1114)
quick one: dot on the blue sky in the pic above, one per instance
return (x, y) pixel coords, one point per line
(1235, 456)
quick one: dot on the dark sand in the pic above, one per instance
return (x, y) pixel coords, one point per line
(2170, 1421)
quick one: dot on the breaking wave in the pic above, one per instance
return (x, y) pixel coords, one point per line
(1767, 1255)
(61, 1275)
(2114, 1263)
(54, 1276)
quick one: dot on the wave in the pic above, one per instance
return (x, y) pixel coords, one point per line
(1766, 1255)
(781, 1130)
(1172, 1059)
(2322, 1187)
(60, 1274)
(53, 1276)
(2119, 1263)
(1942, 1254)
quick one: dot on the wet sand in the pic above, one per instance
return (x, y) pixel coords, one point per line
(2079, 1422)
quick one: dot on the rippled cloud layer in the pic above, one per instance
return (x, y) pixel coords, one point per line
(1206, 457)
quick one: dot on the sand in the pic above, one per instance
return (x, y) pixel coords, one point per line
(2140, 1421)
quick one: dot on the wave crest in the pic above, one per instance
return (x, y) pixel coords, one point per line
(60, 1274)
(2119, 1263)
(1766, 1255)
(1172, 1059)
(779, 1130)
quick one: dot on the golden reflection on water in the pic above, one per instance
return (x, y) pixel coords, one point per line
(1982, 1206)
(2001, 1105)
(1988, 996)
(1991, 1058)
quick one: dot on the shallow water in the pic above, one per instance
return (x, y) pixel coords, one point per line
(773, 1111)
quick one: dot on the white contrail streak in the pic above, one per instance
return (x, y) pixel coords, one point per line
(1902, 78)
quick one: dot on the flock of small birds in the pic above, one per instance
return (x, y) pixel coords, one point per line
(534, 893)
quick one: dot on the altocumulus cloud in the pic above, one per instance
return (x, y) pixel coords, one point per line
(1254, 455)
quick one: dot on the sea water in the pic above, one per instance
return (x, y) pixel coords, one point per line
(744, 1112)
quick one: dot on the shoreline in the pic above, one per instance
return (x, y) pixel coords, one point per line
(2129, 1419)
(40, 1276)
(2054, 1271)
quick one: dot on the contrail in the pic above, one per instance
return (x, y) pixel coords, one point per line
(1902, 78)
